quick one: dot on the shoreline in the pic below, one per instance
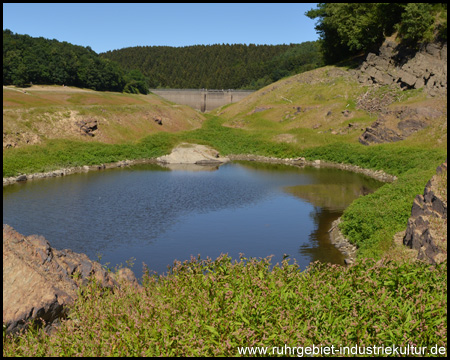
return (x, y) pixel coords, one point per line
(375, 174)
(336, 237)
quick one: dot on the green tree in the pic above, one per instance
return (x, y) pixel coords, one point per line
(43, 61)
(417, 23)
(136, 83)
(347, 29)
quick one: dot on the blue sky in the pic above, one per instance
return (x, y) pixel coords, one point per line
(113, 26)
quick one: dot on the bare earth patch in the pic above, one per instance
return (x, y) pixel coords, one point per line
(31, 115)
(192, 154)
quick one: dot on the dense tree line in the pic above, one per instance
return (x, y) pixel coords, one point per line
(345, 30)
(224, 66)
(348, 29)
(28, 60)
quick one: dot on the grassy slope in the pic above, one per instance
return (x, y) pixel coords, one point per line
(308, 111)
(52, 112)
(368, 292)
(320, 130)
(311, 112)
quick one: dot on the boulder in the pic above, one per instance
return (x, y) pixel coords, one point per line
(40, 282)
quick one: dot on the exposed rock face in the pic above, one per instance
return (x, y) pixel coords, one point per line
(12, 140)
(398, 124)
(87, 127)
(407, 68)
(427, 226)
(39, 281)
(379, 133)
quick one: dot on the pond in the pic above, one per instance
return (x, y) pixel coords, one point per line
(154, 215)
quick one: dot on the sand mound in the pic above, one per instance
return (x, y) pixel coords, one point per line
(193, 154)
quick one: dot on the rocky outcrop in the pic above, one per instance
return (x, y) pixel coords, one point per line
(378, 133)
(407, 68)
(88, 126)
(397, 124)
(40, 282)
(427, 226)
(12, 140)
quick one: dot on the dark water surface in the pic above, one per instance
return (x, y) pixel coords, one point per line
(156, 215)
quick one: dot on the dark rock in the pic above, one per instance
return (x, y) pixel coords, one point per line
(406, 67)
(298, 109)
(410, 126)
(428, 209)
(87, 127)
(378, 133)
(405, 121)
(158, 120)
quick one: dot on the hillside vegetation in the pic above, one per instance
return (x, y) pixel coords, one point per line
(314, 115)
(216, 307)
(219, 66)
(39, 113)
(28, 60)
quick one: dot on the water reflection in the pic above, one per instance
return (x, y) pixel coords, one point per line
(156, 214)
(329, 201)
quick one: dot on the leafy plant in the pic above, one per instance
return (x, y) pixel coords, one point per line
(212, 307)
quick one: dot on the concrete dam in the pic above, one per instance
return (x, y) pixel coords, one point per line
(202, 99)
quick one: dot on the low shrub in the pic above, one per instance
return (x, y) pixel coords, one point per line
(210, 308)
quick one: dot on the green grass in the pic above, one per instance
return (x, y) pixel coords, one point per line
(369, 222)
(57, 154)
(211, 308)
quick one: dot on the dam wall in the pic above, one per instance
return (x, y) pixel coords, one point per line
(202, 99)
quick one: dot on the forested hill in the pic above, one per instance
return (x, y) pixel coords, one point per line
(218, 66)
(28, 60)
